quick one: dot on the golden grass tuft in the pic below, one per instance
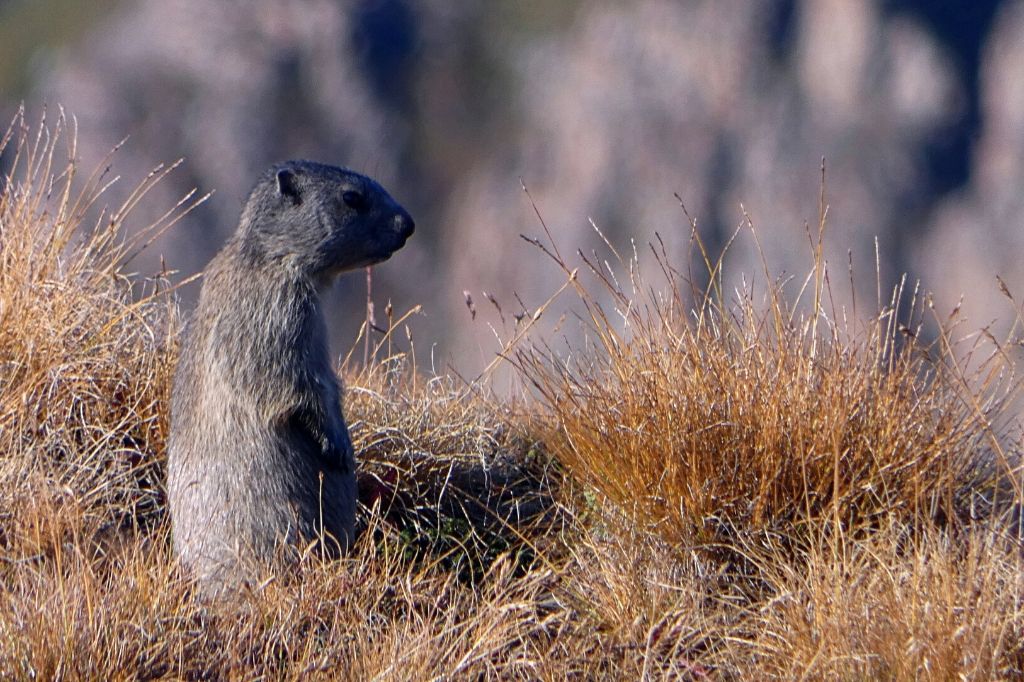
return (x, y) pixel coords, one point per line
(889, 607)
(452, 474)
(85, 365)
(725, 419)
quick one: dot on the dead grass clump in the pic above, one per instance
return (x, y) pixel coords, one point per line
(822, 499)
(726, 418)
(78, 602)
(82, 614)
(634, 608)
(451, 473)
(84, 368)
(888, 608)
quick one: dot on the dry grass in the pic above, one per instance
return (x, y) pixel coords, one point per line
(719, 491)
(452, 475)
(715, 422)
(893, 607)
(85, 366)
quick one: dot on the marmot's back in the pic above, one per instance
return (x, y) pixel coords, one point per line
(259, 456)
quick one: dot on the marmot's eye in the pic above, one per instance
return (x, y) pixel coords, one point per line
(354, 200)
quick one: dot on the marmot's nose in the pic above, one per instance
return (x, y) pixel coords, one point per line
(404, 224)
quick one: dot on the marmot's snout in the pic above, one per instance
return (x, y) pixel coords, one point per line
(403, 224)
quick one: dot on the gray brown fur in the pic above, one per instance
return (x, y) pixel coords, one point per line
(259, 456)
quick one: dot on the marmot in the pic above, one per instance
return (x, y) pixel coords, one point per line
(259, 456)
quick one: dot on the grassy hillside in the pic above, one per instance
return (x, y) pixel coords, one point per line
(745, 487)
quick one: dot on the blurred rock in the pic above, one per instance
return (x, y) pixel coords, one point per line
(603, 109)
(979, 233)
(634, 103)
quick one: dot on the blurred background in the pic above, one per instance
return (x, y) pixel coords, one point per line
(604, 109)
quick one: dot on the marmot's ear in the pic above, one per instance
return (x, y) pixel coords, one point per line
(287, 185)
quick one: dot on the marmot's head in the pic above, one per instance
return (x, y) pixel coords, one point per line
(321, 219)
